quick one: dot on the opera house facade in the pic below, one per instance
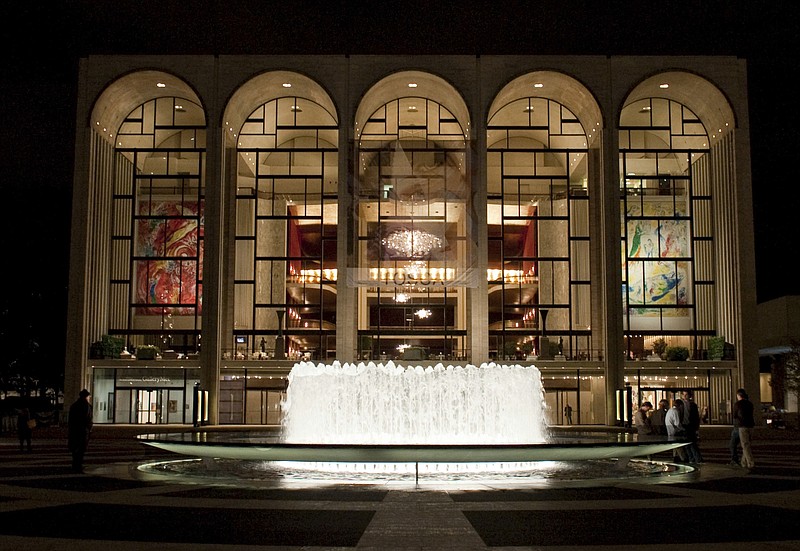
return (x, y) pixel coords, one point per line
(233, 215)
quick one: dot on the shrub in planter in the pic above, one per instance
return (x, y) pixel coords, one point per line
(677, 353)
(111, 345)
(659, 347)
(510, 349)
(147, 352)
(716, 348)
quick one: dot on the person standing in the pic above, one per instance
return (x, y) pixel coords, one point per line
(743, 423)
(25, 424)
(675, 428)
(657, 419)
(692, 427)
(568, 413)
(80, 426)
(642, 421)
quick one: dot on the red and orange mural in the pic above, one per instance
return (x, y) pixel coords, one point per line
(170, 234)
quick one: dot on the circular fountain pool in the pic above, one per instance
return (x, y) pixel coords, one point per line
(348, 422)
(265, 473)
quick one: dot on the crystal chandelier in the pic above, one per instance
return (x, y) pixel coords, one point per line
(423, 313)
(412, 243)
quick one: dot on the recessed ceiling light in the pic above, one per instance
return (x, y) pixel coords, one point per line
(665, 85)
(538, 85)
(287, 84)
(412, 109)
(161, 85)
(528, 109)
(412, 84)
(296, 109)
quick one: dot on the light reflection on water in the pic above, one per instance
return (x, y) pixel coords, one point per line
(242, 471)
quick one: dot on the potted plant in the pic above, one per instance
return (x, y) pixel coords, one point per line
(527, 349)
(677, 353)
(111, 346)
(147, 352)
(659, 347)
(716, 348)
(510, 349)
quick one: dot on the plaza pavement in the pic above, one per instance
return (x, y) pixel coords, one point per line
(44, 506)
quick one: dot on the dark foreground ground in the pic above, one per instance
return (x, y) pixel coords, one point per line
(43, 505)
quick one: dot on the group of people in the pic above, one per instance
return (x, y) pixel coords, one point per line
(682, 421)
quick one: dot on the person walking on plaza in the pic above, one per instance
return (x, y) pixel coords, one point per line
(80, 426)
(25, 424)
(743, 423)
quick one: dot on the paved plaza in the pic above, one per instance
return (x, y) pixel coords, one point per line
(43, 505)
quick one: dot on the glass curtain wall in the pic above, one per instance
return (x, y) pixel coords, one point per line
(412, 227)
(666, 226)
(157, 236)
(286, 217)
(538, 232)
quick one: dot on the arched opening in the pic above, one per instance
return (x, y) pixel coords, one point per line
(413, 208)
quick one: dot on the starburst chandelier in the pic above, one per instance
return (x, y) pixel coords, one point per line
(412, 243)
(423, 313)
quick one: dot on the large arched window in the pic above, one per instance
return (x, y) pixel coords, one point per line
(538, 231)
(286, 217)
(667, 247)
(157, 225)
(412, 201)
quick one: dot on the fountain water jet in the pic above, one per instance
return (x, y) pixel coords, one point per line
(390, 404)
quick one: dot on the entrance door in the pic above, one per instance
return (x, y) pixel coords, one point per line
(264, 406)
(557, 401)
(149, 406)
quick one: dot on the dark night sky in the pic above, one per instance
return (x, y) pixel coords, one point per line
(43, 41)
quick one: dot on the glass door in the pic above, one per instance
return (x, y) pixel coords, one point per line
(149, 406)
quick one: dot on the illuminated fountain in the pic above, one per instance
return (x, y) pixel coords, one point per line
(392, 420)
(372, 403)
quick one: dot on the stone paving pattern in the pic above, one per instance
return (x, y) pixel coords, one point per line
(44, 506)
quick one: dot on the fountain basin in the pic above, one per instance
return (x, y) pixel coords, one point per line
(249, 446)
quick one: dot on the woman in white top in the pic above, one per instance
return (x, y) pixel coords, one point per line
(675, 429)
(674, 419)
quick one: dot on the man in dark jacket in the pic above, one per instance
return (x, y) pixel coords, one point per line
(743, 422)
(693, 428)
(80, 426)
